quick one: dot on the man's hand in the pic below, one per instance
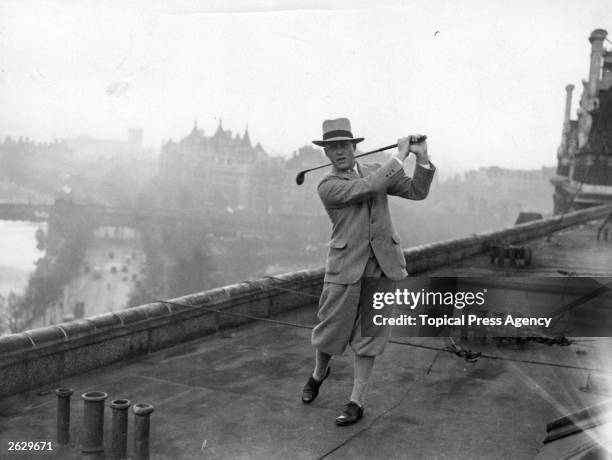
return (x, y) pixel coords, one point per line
(420, 150)
(405, 146)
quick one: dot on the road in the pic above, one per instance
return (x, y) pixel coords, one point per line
(113, 265)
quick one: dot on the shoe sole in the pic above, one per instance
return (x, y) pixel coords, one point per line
(349, 423)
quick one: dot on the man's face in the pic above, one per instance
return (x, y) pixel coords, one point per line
(341, 154)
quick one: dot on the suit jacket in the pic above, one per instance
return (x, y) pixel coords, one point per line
(359, 211)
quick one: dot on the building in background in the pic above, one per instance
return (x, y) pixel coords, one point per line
(584, 157)
(86, 147)
(226, 173)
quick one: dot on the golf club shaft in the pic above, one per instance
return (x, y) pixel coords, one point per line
(299, 179)
(359, 156)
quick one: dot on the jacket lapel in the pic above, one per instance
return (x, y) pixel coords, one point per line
(347, 175)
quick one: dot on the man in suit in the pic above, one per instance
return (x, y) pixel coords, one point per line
(363, 244)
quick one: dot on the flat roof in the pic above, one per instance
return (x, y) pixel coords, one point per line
(236, 395)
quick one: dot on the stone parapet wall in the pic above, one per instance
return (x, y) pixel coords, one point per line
(433, 255)
(47, 355)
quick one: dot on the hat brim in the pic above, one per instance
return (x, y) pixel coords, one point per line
(324, 143)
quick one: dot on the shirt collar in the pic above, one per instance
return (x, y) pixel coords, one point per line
(348, 172)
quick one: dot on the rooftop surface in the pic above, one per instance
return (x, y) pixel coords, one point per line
(235, 394)
(573, 250)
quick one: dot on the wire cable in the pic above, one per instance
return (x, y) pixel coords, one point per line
(383, 413)
(409, 344)
(506, 358)
(239, 315)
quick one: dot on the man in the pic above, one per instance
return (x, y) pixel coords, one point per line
(363, 244)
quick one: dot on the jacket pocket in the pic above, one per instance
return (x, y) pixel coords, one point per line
(336, 255)
(397, 243)
(402, 260)
(337, 243)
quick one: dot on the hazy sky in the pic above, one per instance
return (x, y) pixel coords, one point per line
(483, 79)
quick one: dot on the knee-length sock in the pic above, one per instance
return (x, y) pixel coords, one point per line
(321, 362)
(363, 369)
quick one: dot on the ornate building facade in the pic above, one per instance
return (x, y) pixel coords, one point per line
(584, 157)
(224, 172)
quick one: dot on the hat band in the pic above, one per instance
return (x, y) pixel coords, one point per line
(337, 133)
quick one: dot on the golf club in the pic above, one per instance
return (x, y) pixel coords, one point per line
(299, 179)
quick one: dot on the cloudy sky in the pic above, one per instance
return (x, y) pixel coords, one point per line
(483, 79)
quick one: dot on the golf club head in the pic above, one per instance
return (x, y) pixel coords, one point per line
(299, 179)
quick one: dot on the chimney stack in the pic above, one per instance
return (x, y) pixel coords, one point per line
(568, 104)
(597, 37)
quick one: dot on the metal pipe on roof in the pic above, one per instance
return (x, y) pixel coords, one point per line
(119, 427)
(142, 415)
(63, 415)
(93, 422)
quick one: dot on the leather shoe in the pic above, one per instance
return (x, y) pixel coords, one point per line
(351, 413)
(311, 389)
